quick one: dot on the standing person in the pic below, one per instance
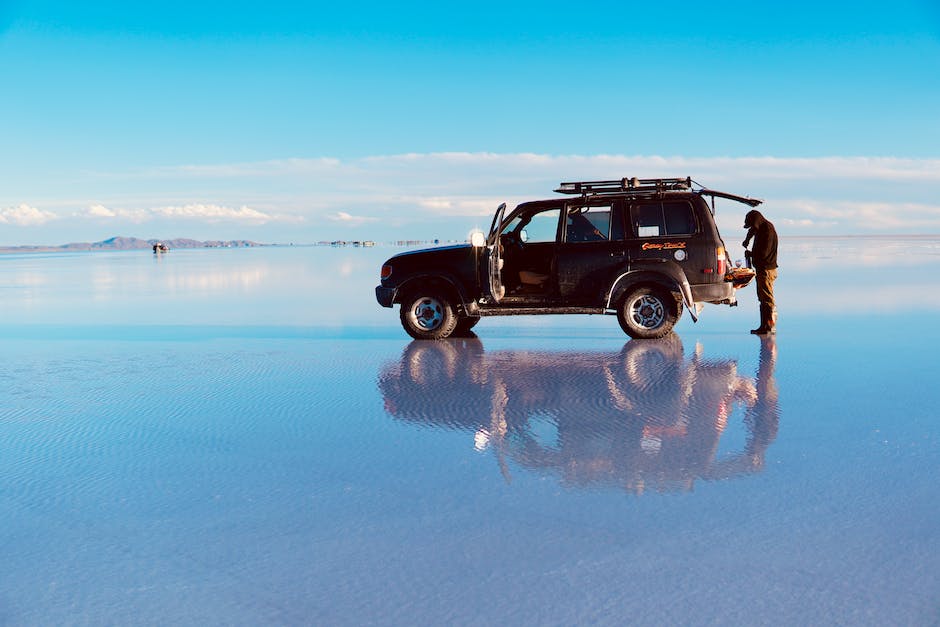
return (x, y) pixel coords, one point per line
(764, 258)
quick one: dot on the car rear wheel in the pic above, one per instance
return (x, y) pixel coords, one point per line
(648, 312)
(428, 316)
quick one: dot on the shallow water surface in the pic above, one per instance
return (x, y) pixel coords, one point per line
(245, 437)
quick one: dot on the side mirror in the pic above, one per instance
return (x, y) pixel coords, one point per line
(477, 239)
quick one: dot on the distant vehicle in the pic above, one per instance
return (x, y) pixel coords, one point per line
(640, 249)
(160, 247)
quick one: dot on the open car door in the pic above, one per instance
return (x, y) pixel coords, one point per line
(494, 259)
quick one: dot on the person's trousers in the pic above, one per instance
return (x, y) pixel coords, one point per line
(765, 296)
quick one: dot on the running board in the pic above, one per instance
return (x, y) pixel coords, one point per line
(529, 311)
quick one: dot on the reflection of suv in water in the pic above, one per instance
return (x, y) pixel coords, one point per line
(645, 417)
(642, 249)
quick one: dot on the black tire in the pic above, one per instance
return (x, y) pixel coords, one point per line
(428, 315)
(464, 324)
(647, 312)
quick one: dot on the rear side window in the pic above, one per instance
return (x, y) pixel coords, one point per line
(659, 219)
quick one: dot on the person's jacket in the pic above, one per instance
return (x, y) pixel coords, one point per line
(764, 251)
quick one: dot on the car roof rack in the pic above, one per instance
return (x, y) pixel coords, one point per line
(625, 185)
(647, 186)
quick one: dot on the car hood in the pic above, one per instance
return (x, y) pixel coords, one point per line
(435, 249)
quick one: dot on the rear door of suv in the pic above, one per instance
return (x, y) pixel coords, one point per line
(668, 230)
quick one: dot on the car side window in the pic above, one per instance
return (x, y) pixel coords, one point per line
(543, 226)
(679, 218)
(588, 224)
(659, 219)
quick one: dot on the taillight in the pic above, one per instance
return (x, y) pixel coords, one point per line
(720, 252)
(386, 271)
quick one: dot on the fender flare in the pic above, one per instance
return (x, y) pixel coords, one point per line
(664, 273)
(428, 277)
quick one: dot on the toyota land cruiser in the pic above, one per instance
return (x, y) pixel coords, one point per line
(642, 249)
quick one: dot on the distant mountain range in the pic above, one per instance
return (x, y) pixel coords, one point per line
(132, 243)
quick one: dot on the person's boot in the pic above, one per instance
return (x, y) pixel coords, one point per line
(766, 321)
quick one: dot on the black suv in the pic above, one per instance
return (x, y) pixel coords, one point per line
(639, 248)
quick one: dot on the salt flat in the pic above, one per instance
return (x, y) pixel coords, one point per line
(245, 437)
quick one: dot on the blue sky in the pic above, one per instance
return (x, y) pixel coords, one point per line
(282, 121)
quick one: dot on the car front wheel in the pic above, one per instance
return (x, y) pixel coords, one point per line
(428, 316)
(648, 313)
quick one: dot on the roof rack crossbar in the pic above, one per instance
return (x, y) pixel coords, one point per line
(625, 185)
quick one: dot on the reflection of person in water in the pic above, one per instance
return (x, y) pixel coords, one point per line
(764, 415)
(645, 417)
(761, 418)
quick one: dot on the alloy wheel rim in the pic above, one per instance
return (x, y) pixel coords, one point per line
(648, 312)
(428, 314)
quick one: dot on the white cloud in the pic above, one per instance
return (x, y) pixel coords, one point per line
(214, 213)
(206, 212)
(100, 212)
(615, 166)
(406, 192)
(437, 204)
(424, 170)
(25, 215)
(455, 206)
(351, 220)
(804, 223)
(874, 216)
